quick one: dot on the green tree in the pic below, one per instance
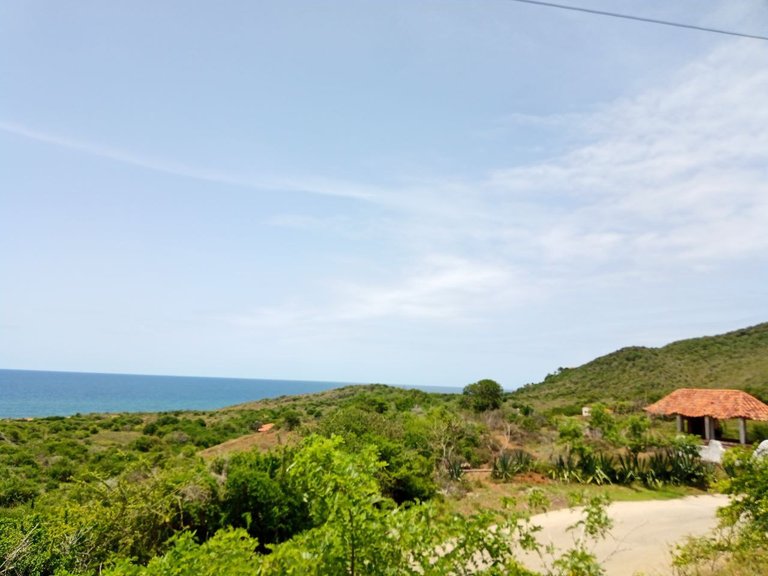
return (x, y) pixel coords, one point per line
(230, 551)
(636, 433)
(738, 545)
(258, 496)
(484, 395)
(601, 419)
(291, 419)
(131, 515)
(748, 485)
(358, 532)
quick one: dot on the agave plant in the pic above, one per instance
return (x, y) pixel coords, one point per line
(455, 469)
(630, 468)
(565, 468)
(509, 463)
(658, 469)
(596, 468)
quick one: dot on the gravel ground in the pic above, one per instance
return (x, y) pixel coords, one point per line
(642, 535)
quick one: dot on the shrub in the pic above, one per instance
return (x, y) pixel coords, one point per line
(15, 491)
(145, 443)
(150, 429)
(739, 546)
(408, 477)
(484, 395)
(62, 470)
(510, 463)
(166, 420)
(291, 419)
(259, 497)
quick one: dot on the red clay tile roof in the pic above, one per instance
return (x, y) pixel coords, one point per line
(720, 404)
(266, 427)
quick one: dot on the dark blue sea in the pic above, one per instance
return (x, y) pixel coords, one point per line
(27, 393)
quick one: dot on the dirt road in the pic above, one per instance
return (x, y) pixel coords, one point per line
(642, 533)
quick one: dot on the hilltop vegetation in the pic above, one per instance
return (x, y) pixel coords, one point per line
(357, 480)
(738, 359)
(364, 480)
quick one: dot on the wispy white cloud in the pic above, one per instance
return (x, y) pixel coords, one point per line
(439, 288)
(674, 177)
(312, 186)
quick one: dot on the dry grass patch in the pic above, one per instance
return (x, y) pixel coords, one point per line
(488, 495)
(107, 438)
(263, 441)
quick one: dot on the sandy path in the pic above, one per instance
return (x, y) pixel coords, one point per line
(642, 533)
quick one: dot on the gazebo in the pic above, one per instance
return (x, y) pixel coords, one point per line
(702, 408)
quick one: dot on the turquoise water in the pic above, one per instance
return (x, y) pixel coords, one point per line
(26, 393)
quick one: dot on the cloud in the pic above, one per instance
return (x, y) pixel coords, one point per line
(311, 186)
(438, 287)
(674, 175)
(671, 178)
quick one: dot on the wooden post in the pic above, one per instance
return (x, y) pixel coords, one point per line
(679, 423)
(707, 428)
(743, 430)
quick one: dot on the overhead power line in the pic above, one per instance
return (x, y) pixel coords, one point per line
(641, 19)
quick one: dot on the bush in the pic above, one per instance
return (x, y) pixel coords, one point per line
(291, 419)
(408, 477)
(135, 513)
(749, 484)
(150, 429)
(145, 443)
(739, 546)
(484, 395)
(259, 497)
(62, 470)
(15, 491)
(677, 464)
(166, 420)
(510, 463)
(358, 532)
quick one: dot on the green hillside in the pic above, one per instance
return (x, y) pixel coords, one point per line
(737, 359)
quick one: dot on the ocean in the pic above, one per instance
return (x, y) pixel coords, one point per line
(33, 394)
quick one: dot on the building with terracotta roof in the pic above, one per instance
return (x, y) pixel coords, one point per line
(700, 409)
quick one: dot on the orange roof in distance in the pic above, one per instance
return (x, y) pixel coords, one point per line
(721, 404)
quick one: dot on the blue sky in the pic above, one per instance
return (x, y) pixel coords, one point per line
(405, 192)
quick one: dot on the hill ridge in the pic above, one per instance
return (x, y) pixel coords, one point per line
(736, 359)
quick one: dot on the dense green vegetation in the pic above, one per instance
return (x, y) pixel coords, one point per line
(738, 547)
(640, 375)
(363, 480)
(356, 480)
(484, 395)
